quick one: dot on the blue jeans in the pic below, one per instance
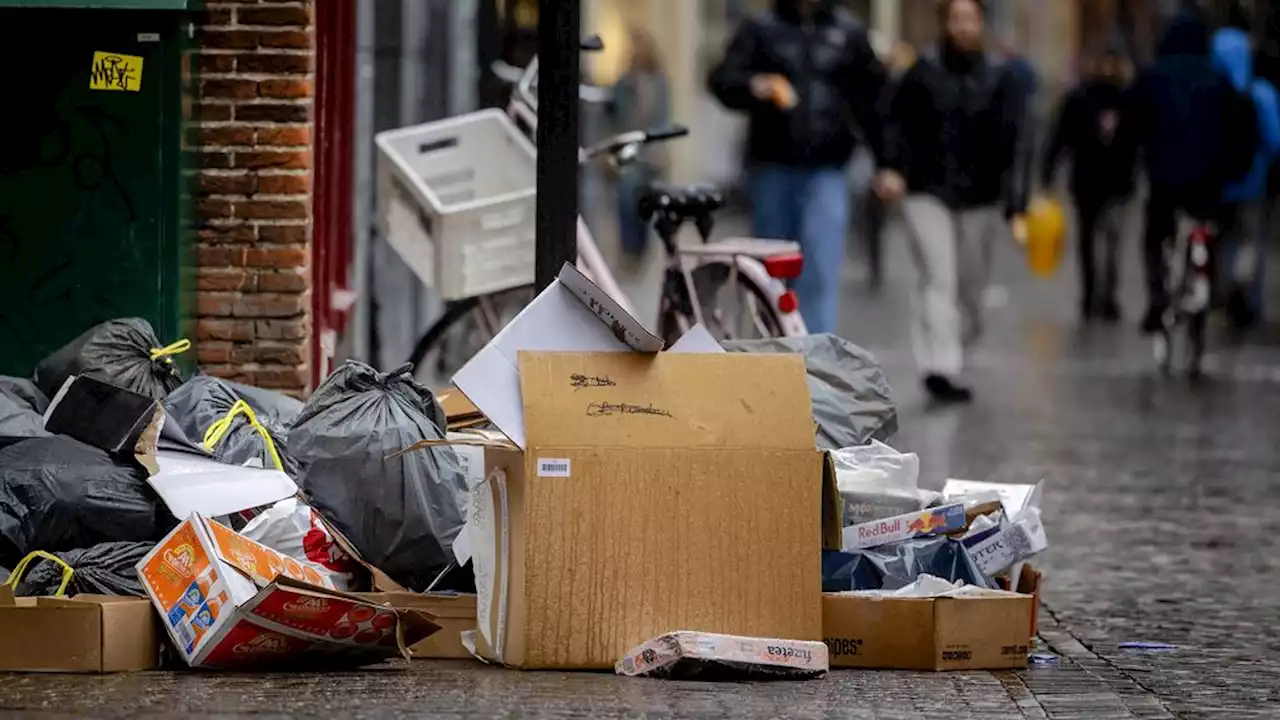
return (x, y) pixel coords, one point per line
(633, 232)
(809, 206)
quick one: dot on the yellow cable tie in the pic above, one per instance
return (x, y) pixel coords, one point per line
(21, 568)
(214, 434)
(170, 350)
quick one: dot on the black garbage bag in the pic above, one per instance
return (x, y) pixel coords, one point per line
(401, 513)
(852, 402)
(17, 419)
(276, 410)
(206, 408)
(24, 392)
(59, 494)
(104, 569)
(893, 566)
(118, 351)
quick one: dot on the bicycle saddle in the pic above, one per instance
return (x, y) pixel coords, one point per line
(679, 201)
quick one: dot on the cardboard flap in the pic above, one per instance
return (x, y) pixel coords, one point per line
(620, 323)
(666, 401)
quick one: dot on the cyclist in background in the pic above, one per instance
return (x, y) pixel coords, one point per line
(1244, 214)
(954, 139)
(1101, 178)
(808, 80)
(1178, 114)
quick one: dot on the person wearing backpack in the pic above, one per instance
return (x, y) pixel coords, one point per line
(1242, 250)
(1180, 112)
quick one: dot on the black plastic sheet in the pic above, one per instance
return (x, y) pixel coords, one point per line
(893, 566)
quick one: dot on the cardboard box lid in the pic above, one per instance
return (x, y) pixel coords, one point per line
(760, 402)
(572, 315)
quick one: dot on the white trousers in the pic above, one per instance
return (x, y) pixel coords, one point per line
(952, 251)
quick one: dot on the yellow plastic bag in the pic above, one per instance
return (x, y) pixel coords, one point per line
(1046, 235)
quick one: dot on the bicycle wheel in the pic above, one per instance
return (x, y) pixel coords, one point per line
(463, 330)
(731, 310)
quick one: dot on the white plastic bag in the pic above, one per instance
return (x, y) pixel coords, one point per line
(875, 482)
(292, 527)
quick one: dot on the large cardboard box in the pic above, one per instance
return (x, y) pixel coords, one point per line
(230, 602)
(455, 613)
(85, 633)
(990, 631)
(686, 493)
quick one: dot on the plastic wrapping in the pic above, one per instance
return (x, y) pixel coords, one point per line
(59, 494)
(875, 481)
(118, 351)
(890, 567)
(401, 511)
(852, 402)
(104, 569)
(17, 419)
(24, 392)
(207, 413)
(295, 529)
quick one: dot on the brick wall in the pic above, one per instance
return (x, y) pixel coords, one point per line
(253, 133)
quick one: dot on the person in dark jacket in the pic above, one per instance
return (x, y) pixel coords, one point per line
(954, 134)
(1176, 113)
(1101, 178)
(808, 80)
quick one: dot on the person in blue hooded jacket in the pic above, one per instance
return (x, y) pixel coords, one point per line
(1244, 214)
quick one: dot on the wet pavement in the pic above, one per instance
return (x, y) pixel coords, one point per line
(1159, 504)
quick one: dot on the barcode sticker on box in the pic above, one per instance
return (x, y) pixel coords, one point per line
(553, 467)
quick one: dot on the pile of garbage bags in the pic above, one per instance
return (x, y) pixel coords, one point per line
(975, 533)
(79, 509)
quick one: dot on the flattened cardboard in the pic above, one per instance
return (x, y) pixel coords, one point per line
(944, 633)
(189, 483)
(613, 528)
(455, 613)
(85, 633)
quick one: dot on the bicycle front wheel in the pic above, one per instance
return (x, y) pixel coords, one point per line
(465, 328)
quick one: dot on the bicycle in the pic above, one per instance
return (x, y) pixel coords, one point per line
(1189, 288)
(753, 272)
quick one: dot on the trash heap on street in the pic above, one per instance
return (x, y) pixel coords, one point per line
(583, 498)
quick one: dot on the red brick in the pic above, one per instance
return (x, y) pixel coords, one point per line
(272, 209)
(208, 63)
(281, 329)
(268, 305)
(221, 256)
(227, 372)
(243, 354)
(216, 329)
(288, 89)
(209, 209)
(238, 184)
(222, 135)
(284, 185)
(297, 135)
(230, 235)
(286, 282)
(213, 352)
(280, 354)
(226, 280)
(276, 257)
(229, 39)
(283, 378)
(206, 112)
(274, 16)
(210, 16)
(229, 89)
(297, 39)
(273, 112)
(284, 234)
(215, 304)
(214, 160)
(274, 64)
(283, 160)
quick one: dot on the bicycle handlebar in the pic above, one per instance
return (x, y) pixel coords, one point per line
(623, 147)
(670, 132)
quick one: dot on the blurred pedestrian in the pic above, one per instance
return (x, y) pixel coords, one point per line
(1179, 112)
(953, 137)
(1101, 179)
(808, 80)
(641, 101)
(1243, 251)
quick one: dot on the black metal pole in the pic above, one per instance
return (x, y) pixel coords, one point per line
(559, 30)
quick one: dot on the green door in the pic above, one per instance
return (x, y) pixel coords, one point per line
(90, 179)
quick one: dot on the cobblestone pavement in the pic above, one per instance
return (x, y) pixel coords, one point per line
(1159, 507)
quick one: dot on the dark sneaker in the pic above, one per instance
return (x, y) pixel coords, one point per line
(1087, 311)
(1153, 321)
(1110, 311)
(943, 390)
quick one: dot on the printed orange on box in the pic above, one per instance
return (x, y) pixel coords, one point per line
(230, 602)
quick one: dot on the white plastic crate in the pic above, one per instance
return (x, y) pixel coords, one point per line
(456, 199)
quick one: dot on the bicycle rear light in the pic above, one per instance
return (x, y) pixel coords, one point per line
(788, 302)
(784, 267)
